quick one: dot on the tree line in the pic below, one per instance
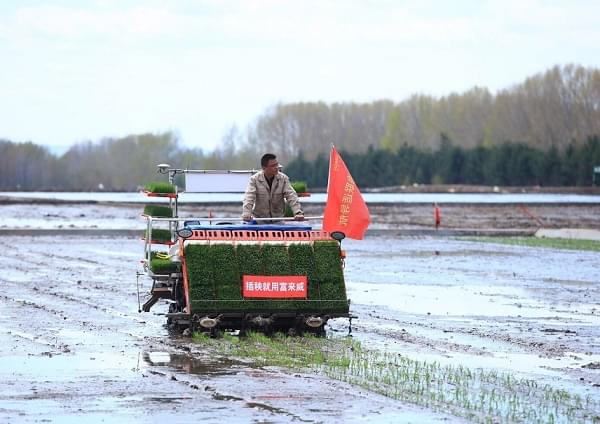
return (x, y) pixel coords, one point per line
(128, 163)
(548, 110)
(507, 164)
(112, 164)
(541, 131)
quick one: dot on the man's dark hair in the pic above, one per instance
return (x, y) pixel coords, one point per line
(264, 161)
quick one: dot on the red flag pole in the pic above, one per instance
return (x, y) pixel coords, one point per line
(437, 215)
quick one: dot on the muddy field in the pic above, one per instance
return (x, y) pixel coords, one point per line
(400, 218)
(75, 348)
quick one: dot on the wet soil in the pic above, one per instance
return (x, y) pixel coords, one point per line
(400, 217)
(74, 346)
(529, 310)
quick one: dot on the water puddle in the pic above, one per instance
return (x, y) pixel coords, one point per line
(191, 364)
(59, 367)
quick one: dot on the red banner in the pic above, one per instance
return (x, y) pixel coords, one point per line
(275, 286)
(345, 211)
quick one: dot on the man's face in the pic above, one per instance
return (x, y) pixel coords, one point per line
(272, 168)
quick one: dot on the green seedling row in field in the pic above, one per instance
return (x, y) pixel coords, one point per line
(160, 187)
(481, 396)
(215, 275)
(158, 211)
(551, 242)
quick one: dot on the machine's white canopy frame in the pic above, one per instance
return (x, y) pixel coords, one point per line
(216, 181)
(201, 181)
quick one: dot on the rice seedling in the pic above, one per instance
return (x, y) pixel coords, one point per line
(225, 272)
(299, 186)
(158, 211)
(302, 262)
(276, 260)
(287, 211)
(159, 235)
(215, 276)
(479, 395)
(199, 270)
(160, 187)
(556, 243)
(161, 264)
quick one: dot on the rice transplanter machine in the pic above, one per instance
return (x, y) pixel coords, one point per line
(221, 274)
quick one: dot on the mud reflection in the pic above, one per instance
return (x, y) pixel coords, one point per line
(185, 363)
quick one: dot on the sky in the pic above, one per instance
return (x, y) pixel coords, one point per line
(76, 70)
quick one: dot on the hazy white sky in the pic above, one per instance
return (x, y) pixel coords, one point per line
(76, 70)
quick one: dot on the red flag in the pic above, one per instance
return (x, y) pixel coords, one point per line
(345, 211)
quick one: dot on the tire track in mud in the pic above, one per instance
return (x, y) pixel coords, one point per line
(55, 285)
(89, 302)
(20, 322)
(382, 327)
(68, 320)
(28, 304)
(72, 296)
(535, 337)
(108, 273)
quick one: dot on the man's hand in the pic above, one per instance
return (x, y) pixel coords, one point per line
(299, 217)
(246, 218)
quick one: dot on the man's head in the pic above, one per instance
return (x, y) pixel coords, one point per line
(269, 164)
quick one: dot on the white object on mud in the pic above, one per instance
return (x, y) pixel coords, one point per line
(569, 233)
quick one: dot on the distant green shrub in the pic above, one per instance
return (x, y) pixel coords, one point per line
(158, 211)
(160, 187)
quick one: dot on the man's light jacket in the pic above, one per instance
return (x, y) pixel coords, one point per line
(262, 202)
